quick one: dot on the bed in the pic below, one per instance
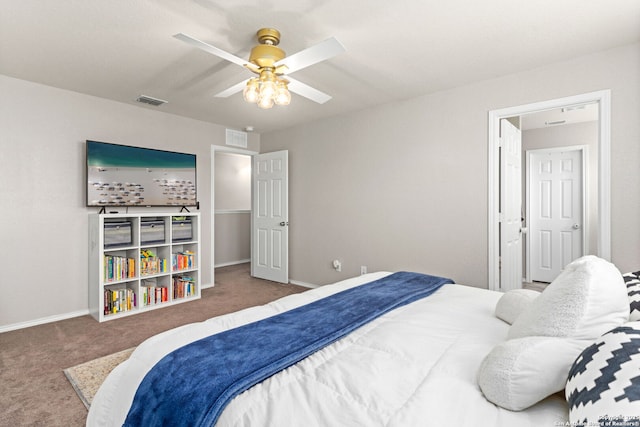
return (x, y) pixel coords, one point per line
(417, 364)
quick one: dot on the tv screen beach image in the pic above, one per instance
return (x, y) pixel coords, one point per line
(119, 175)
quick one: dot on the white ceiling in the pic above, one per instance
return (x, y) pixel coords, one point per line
(120, 49)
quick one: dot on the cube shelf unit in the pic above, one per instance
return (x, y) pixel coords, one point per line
(141, 262)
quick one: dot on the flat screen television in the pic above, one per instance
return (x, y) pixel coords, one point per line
(123, 175)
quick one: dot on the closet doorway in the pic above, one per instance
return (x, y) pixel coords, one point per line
(598, 231)
(231, 171)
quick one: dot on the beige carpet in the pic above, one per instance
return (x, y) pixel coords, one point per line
(34, 390)
(87, 377)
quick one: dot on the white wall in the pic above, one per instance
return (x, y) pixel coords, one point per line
(43, 233)
(232, 181)
(232, 238)
(404, 185)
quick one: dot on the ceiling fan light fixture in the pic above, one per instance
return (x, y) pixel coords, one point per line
(267, 90)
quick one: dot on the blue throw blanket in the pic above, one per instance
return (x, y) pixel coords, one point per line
(192, 385)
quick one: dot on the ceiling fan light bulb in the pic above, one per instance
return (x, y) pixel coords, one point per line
(267, 89)
(265, 103)
(283, 97)
(250, 92)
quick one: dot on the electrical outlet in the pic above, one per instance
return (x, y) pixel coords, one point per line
(363, 269)
(337, 265)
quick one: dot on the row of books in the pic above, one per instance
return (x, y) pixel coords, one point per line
(153, 265)
(118, 268)
(183, 286)
(152, 295)
(183, 261)
(119, 300)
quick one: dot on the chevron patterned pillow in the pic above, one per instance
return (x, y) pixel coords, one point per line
(632, 280)
(604, 382)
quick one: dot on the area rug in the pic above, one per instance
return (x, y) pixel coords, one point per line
(87, 377)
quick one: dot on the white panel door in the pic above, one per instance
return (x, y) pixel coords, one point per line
(270, 223)
(510, 206)
(556, 210)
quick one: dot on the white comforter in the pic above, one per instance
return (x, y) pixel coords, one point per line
(415, 366)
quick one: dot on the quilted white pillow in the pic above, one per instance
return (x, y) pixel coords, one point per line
(521, 372)
(604, 382)
(513, 302)
(586, 300)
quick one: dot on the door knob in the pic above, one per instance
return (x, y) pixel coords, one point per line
(283, 223)
(576, 226)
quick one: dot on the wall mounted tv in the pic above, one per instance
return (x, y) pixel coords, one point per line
(122, 175)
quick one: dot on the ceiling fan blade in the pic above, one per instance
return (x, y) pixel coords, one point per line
(312, 55)
(215, 51)
(307, 91)
(232, 90)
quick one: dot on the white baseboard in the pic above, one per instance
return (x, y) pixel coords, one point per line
(304, 284)
(42, 320)
(226, 264)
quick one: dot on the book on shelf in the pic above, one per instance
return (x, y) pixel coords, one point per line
(119, 300)
(118, 268)
(150, 263)
(152, 294)
(183, 286)
(183, 260)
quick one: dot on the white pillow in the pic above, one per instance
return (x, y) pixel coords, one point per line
(586, 300)
(521, 372)
(513, 302)
(604, 382)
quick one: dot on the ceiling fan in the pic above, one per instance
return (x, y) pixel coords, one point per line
(271, 64)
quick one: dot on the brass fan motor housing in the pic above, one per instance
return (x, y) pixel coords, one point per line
(268, 36)
(266, 53)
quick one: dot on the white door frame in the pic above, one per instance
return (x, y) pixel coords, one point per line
(584, 150)
(222, 149)
(603, 98)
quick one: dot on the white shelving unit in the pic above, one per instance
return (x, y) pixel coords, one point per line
(141, 262)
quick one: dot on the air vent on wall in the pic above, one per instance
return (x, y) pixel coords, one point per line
(236, 138)
(150, 100)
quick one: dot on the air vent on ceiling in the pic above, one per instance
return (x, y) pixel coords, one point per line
(236, 138)
(150, 100)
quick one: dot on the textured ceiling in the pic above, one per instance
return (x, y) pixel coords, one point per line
(119, 49)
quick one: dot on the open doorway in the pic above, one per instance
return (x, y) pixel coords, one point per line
(231, 207)
(560, 202)
(232, 192)
(596, 206)
(264, 177)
